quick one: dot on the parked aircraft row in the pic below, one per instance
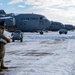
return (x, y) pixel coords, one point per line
(25, 22)
(31, 23)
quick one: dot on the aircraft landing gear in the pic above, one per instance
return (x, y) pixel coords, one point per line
(41, 32)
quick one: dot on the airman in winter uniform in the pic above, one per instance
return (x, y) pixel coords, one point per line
(3, 41)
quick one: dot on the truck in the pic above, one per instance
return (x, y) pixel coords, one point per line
(63, 31)
(17, 35)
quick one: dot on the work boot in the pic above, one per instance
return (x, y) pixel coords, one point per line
(3, 67)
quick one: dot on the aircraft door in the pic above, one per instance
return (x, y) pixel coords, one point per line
(41, 21)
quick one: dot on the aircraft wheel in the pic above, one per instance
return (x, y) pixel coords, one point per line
(65, 32)
(13, 40)
(60, 33)
(21, 40)
(41, 32)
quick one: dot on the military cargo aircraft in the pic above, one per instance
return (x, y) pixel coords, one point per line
(25, 22)
(55, 26)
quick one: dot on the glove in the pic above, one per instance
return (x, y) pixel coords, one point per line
(8, 40)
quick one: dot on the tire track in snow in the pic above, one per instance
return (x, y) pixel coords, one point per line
(70, 47)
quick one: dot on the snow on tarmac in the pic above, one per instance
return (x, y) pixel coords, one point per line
(48, 54)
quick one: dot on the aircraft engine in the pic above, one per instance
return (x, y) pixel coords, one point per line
(10, 23)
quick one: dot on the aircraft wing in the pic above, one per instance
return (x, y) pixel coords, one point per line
(4, 18)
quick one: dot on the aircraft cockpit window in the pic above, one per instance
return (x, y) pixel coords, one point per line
(41, 18)
(45, 19)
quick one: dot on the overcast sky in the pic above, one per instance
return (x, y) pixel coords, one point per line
(55, 10)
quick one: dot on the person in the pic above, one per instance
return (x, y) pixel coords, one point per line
(3, 41)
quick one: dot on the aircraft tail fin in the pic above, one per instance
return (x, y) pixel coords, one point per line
(2, 12)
